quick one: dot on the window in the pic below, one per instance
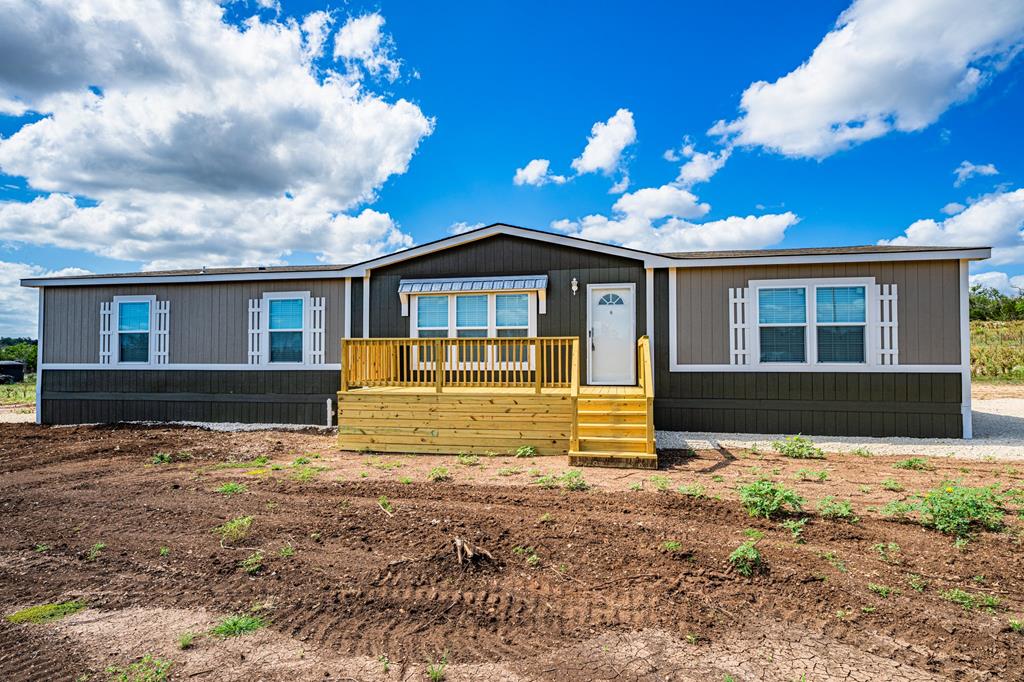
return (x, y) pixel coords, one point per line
(611, 299)
(841, 323)
(807, 322)
(133, 320)
(431, 316)
(285, 329)
(782, 317)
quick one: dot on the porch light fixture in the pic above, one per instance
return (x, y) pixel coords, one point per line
(575, 285)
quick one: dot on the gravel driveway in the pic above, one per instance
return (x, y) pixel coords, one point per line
(998, 432)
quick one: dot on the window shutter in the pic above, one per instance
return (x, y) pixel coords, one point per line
(106, 332)
(255, 331)
(160, 336)
(738, 327)
(888, 325)
(316, 329)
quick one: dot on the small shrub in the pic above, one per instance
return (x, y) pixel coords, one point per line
(234, 530)
(971, 601)
(812, 475)
(914, 464)
(95, 551)
(436, 671)
(573, 480)
(795, 528)
(862, 452)
(186, 640)
(746, 559)
(162, 458)
(889, 552)
(148, 669)
(660, 483)
(468, 460)
(837, 510)
(892, 485)
(883, 591)
(233, 626)
(953, 509)
(44, 613)
(798, 447)
(526, 451)
(439, 474)
(253, 563)
(691, 490)
(767, 499)
(231, 488)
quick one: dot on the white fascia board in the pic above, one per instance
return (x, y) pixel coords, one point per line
(183, 279)
(966, 254)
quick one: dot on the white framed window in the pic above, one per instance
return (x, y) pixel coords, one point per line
(813, 322)
(474, 315)
(287, 329)
(133, 326)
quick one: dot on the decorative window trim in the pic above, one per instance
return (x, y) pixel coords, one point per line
(110, 321)
(313, 326)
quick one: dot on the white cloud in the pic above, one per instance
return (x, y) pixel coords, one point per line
(205, 141)
(952, 208)
(999, 281)
(605, 145)
(536, 173)
(888, 65)
(966, 170)
(659, 219)
(462, 227)
(995, 220)
(19, 305)
(361, 42)
(700, 166)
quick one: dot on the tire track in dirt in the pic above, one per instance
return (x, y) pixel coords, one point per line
(29, 653)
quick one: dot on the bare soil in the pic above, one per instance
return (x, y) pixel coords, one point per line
(602, 600)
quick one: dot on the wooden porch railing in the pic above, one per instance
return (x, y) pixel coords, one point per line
(513, 362)
(645, 373)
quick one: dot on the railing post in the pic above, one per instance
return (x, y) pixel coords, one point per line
(438, 364)
(538, 363)
(344, 367)
(574, 395)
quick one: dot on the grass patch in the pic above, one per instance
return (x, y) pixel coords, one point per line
(147, 669)
(468, 460)
(862, 452)
(509, 471)
(766, 499)
(253, 563)
(436, 671)
(233, 626)
(286, 552)
(187, 640)
(162, 458)
(798, 447)
(383, 465)
(691, 490)
(892, 485)
(837, 510)
(231, 488)
(812, 475)
(914, 464)
(969, 601)
(44, 613)
(883, 591)
(17, 394)
(234, 530)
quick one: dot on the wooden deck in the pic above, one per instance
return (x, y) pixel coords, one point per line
(432, 410)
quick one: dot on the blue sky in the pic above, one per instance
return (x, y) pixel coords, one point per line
(192, 149)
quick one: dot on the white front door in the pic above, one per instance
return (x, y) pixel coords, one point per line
(611, 334)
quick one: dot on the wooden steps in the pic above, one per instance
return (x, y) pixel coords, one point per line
(613, 429)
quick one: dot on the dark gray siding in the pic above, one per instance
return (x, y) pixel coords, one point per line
(209, 321)
(813, 403)
(248, 396)
(505, 255)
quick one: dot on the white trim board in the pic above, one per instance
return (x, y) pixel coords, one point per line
(276, 367)
(40, 351)
(965, 350)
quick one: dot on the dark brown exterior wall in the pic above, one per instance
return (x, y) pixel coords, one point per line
(247, 396)
(504, 255)
(812, 403)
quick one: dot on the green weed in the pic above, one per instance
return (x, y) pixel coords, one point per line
(883, 591)
(916, 582)
(795, 528)
(889, 552)
(970, 601)
(233, 626)
(44, 613)
(95, 551)
(384, 503)
(468, 460)
(660, 483)
(235, 530)
(186, 640)
(165, 551)
(253, 563)
(439, 474)
(767, 499)
(892, 485)
(436, 671)
(526, 451)
(691, 490)
(147, 669)
(812, 475)
(162, 458)
(837, 510)
(953, 509)
(573, 480)
(746, 559)
(833, 559)
(798, 447)
(286, 551)
(231, 488)
(914, 464)
(862, 452)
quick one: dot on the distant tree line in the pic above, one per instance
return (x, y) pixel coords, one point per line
(23, 349)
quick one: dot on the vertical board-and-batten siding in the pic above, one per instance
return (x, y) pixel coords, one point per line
(814, 403)
(506, 255)
(209, 322)
(928, 306)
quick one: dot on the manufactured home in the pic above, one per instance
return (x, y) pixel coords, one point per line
(505, 338)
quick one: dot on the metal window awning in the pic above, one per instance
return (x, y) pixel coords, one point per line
(448, 285)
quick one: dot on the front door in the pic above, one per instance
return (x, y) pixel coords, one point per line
(611, 334)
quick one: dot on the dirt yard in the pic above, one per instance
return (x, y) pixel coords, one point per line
(359, 580)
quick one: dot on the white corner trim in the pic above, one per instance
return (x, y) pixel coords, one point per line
(649, 305)
(673, 344)
(347, 332)
(366, 305)
(965, 349)
(39, 358)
